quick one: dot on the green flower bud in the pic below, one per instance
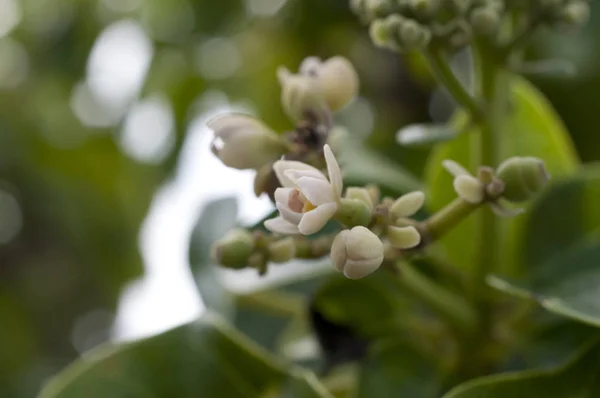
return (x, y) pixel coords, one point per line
(380, 33)
(413, 35)
(283, 250)
(524, 177)
(357, 252)
(575, 14)
(485, 20)
(403, 237)
(234, 250)
(353, 212)
(424, 7)
(242, 142)
(361, 194)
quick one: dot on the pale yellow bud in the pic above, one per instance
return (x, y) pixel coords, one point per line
(403, 237)
(469, 188)
(282, 251)
(360, 194)
(357, 252)
(339, 81)
(302, 97)
(407, 205)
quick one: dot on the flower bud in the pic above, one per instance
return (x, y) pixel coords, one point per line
(575, 14)
(413, 35)
(424, 7)
(235, 249)
(524, 177)
(485, 20)
(354, 212)
(380, 33)
(403, 237)
(357, 252)
(301, 97)
(360, 194)
(338, 81)
(243, 142)
(469, 188)
(407, 205)
(283, 250)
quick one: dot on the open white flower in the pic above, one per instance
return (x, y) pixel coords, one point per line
(307, 199)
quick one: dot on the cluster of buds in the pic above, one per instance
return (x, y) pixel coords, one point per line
(309, 98)
(402, 25)
(517, 179)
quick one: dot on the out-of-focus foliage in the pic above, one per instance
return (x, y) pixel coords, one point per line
(78, 79)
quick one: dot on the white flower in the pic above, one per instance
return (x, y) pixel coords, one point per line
(242, 142)
(307, 199)
(357, 252)
(466, 185)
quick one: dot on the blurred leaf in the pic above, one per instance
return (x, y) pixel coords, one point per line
(561, 250)
(206, 358)
(396, 369)
(532, 129)
(577, 378)
(425, 134)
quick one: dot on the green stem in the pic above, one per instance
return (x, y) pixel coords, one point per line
(448, 217)
(440, 67)
(446, 304)
(273, 302)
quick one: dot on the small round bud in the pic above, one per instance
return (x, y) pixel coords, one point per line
(243, 142)
(235, 249)
(361, 194)
(403, 237)
(424, 8)
(338, 81)
(302, 97)
(575, 14)
(283, 250)
(524, 177)
(357, 252)
(485, 20)
(413, 35)
(407, 205)
(353, 212)
(380, 33)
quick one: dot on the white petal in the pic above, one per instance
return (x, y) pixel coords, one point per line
(295, 175)
(226, 126)
(407, 205)
(338, 250)
(283, 74)
(282, 195)
(454, 168)
(404, 237)
(333, 169)
(281, 166)
(313, 221)
(281, 226)
(288, 214)
(310, 66)
(318, 192)
(469, 188)
(362, 268)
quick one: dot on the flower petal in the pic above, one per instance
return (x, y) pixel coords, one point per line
(314, 220)
(281, 166)
(454, 168)
(317, 191)
(288, 214)
(469, 188)
(282, 195)
(333, 169)
(295, 175)
(226, 126)
(407, 205)
(281, 226)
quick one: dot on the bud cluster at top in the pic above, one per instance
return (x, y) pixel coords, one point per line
(403, 25)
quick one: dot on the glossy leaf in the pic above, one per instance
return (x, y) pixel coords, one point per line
(206, 358)
(577, 378)
(532, 129)
(425, 134)
(561, 250)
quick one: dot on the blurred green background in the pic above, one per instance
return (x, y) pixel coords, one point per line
(98, 100)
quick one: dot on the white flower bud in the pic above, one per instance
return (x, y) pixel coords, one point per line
(357, 252)
(403, 237)
(302, 97)
(243, 142)
(407, 205)
(469, 188)
(339, 82)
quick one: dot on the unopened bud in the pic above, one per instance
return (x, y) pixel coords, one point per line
(380, 33)
(361, 194)
(403, 237)
(243, 142)
(407, 205)
(524, 177)
(354, 212)
(413, 35)
(301, 97)
(469, 188)
(338, 81)
(576, 14)
(235, 249)
(485, 20)
(424, 7)
(282, 251)
(375, 193)
(357, 252)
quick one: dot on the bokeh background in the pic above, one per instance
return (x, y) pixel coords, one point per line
(104, 160)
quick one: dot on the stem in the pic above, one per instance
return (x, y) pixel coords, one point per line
(449, 306)
(445, 219)
(273, 302)
(442, 71)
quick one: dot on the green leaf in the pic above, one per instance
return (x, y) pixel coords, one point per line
(425, 134)
(532, 129)
(577, 378)
(561, 250)
(206, 358)
(395, 369)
